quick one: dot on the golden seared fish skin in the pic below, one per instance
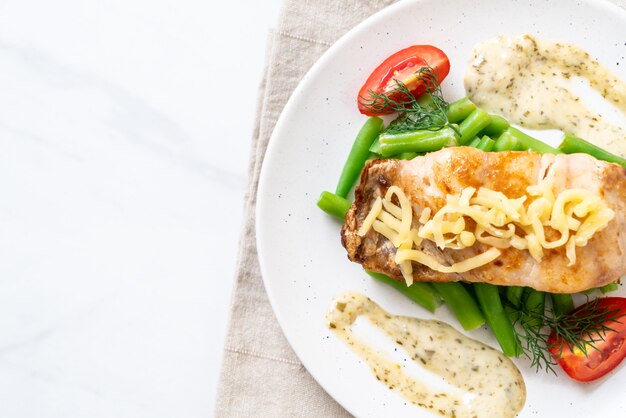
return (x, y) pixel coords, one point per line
(426, 181)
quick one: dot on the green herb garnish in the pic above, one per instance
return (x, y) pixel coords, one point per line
(579, 329)
(428, 112)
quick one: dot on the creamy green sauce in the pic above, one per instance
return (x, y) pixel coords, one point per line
(529, 81)
(486, 383)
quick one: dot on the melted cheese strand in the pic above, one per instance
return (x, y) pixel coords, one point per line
(390, 221)
(393, 209)
(387, 232)
(407, 211)
(460, 267)
(570, 249)
(371, 217)
(424, 216)
(575, 214)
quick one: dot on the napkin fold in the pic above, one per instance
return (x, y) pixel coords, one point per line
(261, 376)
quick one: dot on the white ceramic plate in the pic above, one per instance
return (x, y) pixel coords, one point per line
(303, 263)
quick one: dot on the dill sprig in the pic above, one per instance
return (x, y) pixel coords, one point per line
(428, 112)
(535, 346)
(578, 330)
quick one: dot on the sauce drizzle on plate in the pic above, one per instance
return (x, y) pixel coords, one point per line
(485, 383)
(529, 81)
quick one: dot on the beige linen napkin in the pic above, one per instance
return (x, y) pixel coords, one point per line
(261, 375)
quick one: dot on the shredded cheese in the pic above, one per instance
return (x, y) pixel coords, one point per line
(387, 232)
(573, 216)
(461, 267)
(371, 217)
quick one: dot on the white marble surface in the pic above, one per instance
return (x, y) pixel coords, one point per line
(124, 134)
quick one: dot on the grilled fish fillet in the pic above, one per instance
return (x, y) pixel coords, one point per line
(427, 180)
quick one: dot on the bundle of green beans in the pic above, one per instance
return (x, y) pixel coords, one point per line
(472, 304)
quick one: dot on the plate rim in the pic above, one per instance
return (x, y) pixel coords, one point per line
(281, 123)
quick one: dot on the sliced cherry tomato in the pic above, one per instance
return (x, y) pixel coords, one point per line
(608, 353)
(403, 66)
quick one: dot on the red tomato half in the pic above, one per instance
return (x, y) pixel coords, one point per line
(609, 353)
(403, 66)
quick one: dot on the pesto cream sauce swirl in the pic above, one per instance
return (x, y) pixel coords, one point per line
(485, 382)
(529, 81)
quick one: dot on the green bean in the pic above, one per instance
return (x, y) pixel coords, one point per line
(572, 144)
(421, 293)
(611, 287)
(512, 313)
(527, 142)
(514, 295)
(358, 155)
(474, 143)
(459, 110)
(416, 141)
(562, 303)
(498, 320)
(461, 303)
(407, 155)
(473, 124)
(334, 205)
(534, 304)
(375, 147)
(486, 144)
(497, 125)
(506, 142)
